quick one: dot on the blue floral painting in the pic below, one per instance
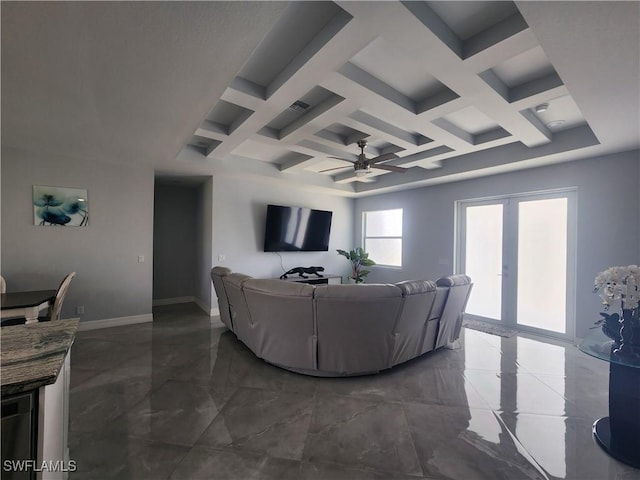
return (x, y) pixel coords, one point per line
(60, 206)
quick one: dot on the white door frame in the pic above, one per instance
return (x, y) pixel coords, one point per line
(510, 244)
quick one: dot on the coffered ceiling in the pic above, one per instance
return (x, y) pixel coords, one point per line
(452, 89)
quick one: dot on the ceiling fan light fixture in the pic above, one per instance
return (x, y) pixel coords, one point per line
(362, 172)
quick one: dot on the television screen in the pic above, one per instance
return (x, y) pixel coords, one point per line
(295, 229)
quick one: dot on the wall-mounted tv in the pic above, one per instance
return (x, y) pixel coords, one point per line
(296, 229)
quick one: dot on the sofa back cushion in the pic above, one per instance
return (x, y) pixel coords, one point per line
(223, 303)
(282, 322)
(238, 306)
(355, 326)
(412, 325)
(451, 319)
(419, 296)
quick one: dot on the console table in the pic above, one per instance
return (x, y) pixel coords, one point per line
(313, 279)
(619, 433)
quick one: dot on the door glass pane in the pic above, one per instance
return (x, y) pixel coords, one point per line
(483, 259)
(542, 264)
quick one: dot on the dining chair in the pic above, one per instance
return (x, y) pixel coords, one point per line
(54, 311)
(3, 285)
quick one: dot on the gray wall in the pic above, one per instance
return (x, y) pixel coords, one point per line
(239, 212)
(204, 288)
(110, 282)
(174, 241)
(230, 213)
(607, 225)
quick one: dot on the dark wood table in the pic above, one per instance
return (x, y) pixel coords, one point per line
(26, 304)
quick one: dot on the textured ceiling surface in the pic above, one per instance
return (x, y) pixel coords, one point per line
(448, 89)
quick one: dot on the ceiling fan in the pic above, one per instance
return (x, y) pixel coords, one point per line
(362, 166)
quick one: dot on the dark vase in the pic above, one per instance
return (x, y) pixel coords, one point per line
(610, 325)
(629, 333)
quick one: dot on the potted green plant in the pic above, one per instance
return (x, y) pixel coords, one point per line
(358, 258)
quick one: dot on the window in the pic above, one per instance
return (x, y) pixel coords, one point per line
(383, 236)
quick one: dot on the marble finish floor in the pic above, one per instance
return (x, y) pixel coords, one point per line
(182, 398)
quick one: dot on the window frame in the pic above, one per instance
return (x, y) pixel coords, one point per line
(400, 237)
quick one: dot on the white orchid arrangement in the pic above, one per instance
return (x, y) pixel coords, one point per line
(619, 283)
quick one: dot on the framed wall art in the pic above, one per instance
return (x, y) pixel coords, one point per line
(60, 206)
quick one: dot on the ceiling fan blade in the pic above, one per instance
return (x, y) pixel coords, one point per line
(330, 169)
(383, 157)
(390, 168)
(343, 159)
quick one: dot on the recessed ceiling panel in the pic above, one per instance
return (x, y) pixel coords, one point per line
(376, 123)
(291, 160)
(259, 151)
(468, 28)
(397, 69)
(228, 114)
(298, 26)
(316, 101)
(524, 68)
(344, 131)
(471, 120)
(341, 134)
(285, 118)
(381, 147)
(202, 144)
(467, 19)
(562, 113)
(323, 151)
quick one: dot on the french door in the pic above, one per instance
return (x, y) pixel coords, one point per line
(519, 251)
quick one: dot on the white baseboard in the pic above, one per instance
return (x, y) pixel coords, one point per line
(172, 301)
(115, 322)
(211, 311)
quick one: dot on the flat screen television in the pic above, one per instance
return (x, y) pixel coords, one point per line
(296, 229)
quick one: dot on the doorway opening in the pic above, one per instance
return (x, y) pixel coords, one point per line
(182, 226)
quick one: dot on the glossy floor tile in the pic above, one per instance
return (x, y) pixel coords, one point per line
(364, 433)
(182, 398)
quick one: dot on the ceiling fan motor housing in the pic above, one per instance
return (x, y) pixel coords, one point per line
(362, 167)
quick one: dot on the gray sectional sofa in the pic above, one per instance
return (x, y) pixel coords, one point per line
(337, 330)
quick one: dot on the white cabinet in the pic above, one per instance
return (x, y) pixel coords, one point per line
(53, 426)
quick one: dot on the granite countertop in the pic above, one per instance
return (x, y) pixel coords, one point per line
(31, 355)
